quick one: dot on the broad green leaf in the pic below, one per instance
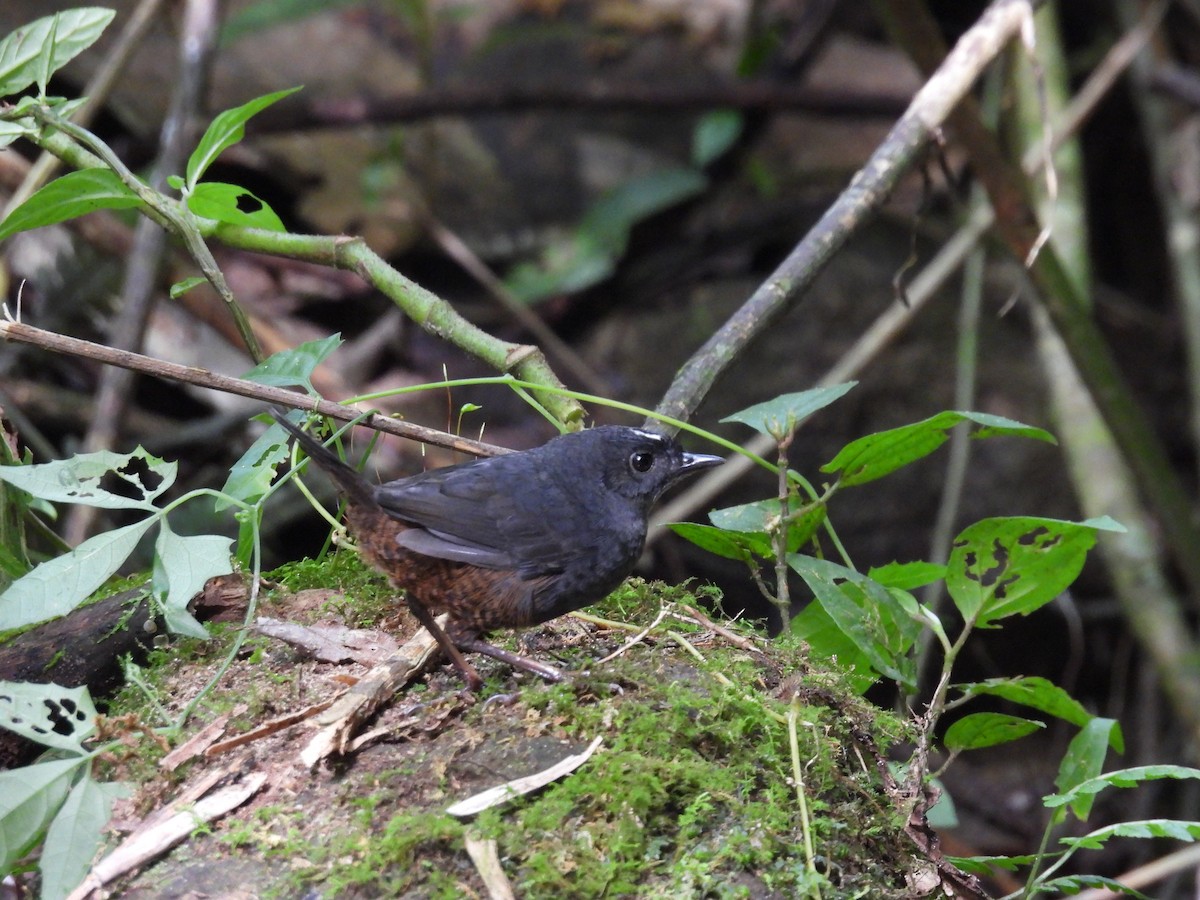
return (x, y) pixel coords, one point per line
(781, 415)
(47, 44)
(233, 205)
(59, 585)
(826, 640)
(1034, 692)
(867, 612)
(50, 714)
(722, 542)
(756, 518)
(987, 730)
(876, 455)
(715, 133)
(29, 798)
(1121, 778)
(254, 472)
(75, 835)
(1009, 566)
(181, 567)
(907, 576)
(226, 129)
(1084, 759)
(68, 197)
(294, 368)
(92, 479)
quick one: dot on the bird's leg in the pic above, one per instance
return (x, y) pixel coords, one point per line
(474, 682)
(518, 662)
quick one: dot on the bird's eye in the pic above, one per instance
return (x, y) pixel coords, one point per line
(641, 461)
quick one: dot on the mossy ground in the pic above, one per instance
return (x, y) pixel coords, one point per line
(691, 794)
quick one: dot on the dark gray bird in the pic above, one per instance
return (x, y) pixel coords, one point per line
(511, 540)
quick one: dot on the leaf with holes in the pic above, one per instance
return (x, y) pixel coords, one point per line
(1011, 566)
(104, 479)
(52, 715)
(233, 205)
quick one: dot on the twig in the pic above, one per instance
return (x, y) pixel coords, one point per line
(866, 193)
(58, 343)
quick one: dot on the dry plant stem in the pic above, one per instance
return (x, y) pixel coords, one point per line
(1016, 225)
(96, 91)
(199, 33)
(779, 535)
(58, 343)
(865, 194)
(894, 320)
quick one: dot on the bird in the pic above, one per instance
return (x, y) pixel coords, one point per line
(513, 540)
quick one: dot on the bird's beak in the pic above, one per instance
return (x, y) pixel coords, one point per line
(694, 462)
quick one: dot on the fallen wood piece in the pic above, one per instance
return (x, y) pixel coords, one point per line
(518, 787)
(376, 688)
(159, 834)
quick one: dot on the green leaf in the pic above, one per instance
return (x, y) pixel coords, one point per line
(987, 729)
(181, 567)
(12, 131)
(75, 835)
(722, 542)
(69, 197)
(1171, 829)
(826, 640)
(867, 612)
(1032, 691)
(779, 416)
(59, 585)
(1084, 759)
(52, 715)
(226, 129)
(1009, 566)
(1071, 885)
(254, 472)
(714, 134)
(1121, 778)
(233, 205)
(80, 479)
(907, 576)
(757, 517)
(29, 798)
(47, 44)
(294, 367)
(876, 455)
(179, 288)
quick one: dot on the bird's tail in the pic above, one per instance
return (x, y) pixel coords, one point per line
(350, 482)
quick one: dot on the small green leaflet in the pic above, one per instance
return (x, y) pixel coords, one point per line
(226, 129)
(68, 197)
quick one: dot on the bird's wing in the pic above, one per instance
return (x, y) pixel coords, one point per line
(471, 513)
